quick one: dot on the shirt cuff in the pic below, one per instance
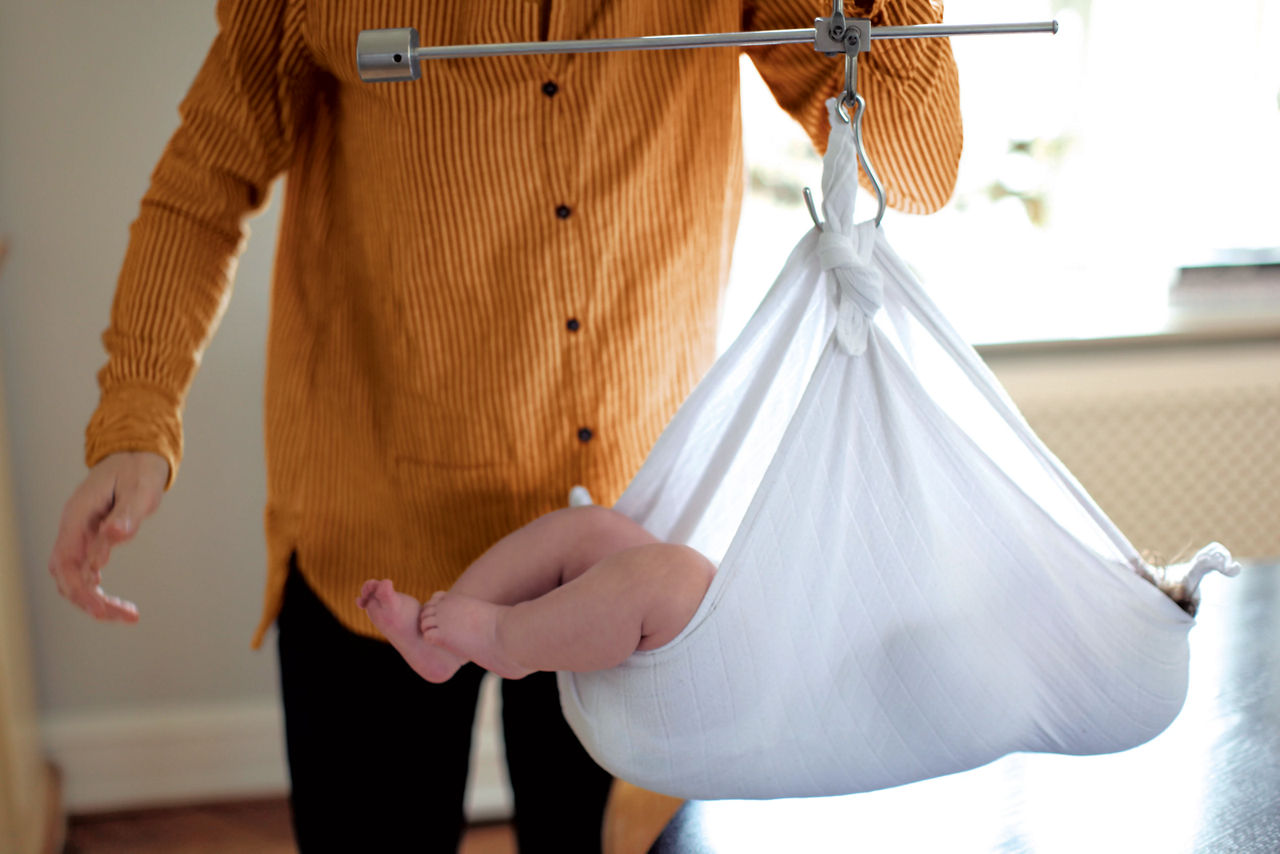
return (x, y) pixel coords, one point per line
(136, 418)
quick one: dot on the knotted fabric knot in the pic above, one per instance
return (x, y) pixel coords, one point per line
(856, 286)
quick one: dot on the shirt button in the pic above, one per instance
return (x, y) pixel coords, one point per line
(563, 211)
(585, 434)
(573, 325)
(550, 89)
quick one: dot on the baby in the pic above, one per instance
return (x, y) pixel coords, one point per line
(577, 589)
(583, 588)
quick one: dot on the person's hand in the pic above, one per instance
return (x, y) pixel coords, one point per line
(105, 510)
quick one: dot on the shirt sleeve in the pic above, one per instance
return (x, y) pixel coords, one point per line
(911, 127)
(239, 121)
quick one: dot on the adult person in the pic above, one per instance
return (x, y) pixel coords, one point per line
(490, 285)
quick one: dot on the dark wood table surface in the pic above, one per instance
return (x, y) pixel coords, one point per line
(1209, 783)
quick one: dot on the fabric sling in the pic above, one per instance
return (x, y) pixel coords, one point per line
(910, 584)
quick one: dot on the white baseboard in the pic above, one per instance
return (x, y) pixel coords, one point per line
(158, 755)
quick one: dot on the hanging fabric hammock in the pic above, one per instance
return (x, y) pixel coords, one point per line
(910, 584)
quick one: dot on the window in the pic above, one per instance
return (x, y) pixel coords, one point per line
(1097, 162)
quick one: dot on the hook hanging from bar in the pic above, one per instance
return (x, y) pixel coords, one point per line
(855, 123)
(850, 36)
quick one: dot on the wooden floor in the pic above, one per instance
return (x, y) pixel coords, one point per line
(261, 827)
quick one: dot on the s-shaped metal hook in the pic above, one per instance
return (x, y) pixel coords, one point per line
(850, 36)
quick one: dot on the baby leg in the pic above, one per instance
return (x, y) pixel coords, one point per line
(548, 552)
(396, 615)
(639, 598)
(528, 562)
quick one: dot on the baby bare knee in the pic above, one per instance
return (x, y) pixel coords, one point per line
(697, 568)
(585, 518)
(606, 530)
(683, 570)
(578, 522)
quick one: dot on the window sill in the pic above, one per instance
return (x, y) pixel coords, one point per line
(1180, 327)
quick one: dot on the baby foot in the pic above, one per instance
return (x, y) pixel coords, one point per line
(1181, 582)
(396, 616)
(469, 628)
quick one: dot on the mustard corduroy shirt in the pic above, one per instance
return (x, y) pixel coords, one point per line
(490, 284)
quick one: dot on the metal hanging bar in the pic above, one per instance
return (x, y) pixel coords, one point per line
(395, 54)
(385, 55)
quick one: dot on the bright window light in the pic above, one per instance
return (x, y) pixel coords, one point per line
(1096, 163)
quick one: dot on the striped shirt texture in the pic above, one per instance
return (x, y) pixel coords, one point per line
(490, 284)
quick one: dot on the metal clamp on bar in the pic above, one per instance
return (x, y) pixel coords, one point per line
(838, 34)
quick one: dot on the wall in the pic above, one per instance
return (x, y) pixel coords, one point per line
(177, 706)
(88, 96)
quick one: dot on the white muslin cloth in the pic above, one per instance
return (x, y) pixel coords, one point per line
(910, 584)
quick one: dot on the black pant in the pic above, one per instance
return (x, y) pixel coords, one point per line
(378, 756)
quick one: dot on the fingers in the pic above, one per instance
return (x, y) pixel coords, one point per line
(116, 608)
(104, 511)
(77, 557)
(78, 582)
(103, 607)
(97, 551)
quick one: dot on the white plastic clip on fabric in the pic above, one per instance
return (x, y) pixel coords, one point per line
(910, 584)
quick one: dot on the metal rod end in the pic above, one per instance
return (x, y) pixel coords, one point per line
(388, 55)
